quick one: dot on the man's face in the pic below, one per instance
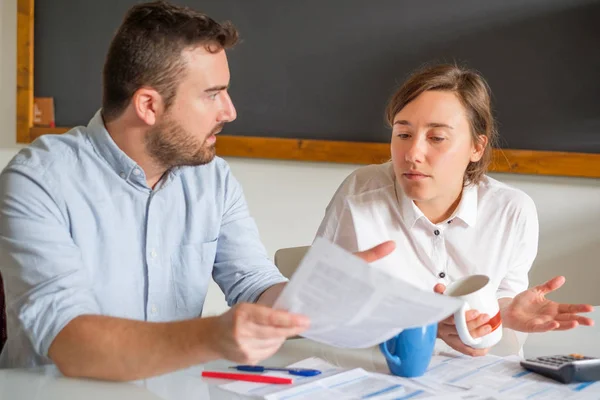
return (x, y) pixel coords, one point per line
(185, 134)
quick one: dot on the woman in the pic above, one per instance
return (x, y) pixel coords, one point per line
(448, 219)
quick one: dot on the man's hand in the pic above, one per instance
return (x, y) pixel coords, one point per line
(269, 296)
(476, 322)
(531, 311)
(249, 333)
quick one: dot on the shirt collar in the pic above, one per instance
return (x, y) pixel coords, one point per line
(408, 209)
(466, 210)
(106, 148)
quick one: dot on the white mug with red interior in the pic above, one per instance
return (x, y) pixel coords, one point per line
(478, 293)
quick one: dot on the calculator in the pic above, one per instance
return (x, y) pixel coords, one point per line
(565, 368)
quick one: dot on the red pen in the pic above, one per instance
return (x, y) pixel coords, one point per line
(247, 377)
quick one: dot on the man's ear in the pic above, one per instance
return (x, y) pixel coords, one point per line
(147, 104)
(479, 148)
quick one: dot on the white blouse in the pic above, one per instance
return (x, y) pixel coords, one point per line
(494, 231)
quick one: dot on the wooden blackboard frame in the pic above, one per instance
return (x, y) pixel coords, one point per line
(505, 160)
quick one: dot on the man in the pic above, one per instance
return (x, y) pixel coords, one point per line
(109, 234)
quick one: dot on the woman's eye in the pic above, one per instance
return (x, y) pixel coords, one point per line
(437, 139)
(403, 135)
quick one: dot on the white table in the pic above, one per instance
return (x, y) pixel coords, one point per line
(47, 384)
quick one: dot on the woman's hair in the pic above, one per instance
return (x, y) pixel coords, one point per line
(474, 94)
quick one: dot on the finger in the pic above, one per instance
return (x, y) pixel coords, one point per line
(550, 285)
(263, 354)
(264, 315)
(447, 321)
(481, 331)
(566, 325)
(446, 330)
(575, 317)
(377, 252)
(479, 326)
(459, 346)
(256, 343)
(575, 308)
(474, 314)
(266, 344)
(542, 326)
(469, 316)
(256, 355)
(439, 288)
(288, 320)
(265, 332)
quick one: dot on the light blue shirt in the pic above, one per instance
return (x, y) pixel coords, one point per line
(82, 233)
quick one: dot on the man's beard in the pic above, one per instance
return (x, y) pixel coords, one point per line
(170, 145)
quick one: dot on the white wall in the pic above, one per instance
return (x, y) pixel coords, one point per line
(8, 73)
(288, 198)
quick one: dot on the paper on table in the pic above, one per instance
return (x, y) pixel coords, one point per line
(349, 385)
(333, 383)
(471, 394)
(265, 389)
(504, 376)
(353, 305)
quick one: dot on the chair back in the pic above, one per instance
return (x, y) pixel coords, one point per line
(288, 259)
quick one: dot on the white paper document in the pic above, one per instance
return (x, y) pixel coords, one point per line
(503, 376)
(332, 383)
(348, 384)
(353, 305)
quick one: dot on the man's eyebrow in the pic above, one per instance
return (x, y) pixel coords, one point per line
(429, 125)
(216, 88)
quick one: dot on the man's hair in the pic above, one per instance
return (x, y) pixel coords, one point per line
(147, 51)
(472, 91)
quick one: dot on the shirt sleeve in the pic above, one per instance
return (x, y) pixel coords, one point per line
(524, 252)
(242, 268)
(45, 280)
(338, 225)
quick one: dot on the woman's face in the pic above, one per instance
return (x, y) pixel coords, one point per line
(431, 148)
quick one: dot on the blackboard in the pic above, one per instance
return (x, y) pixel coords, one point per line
(325, 69)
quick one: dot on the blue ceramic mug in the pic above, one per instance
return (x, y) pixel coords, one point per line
(408, 354)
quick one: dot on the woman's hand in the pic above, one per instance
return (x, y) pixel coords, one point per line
(476, 322)
(531, 311)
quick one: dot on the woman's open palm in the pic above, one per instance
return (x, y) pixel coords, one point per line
(531, 311)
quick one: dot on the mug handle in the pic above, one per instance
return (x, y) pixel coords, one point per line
(386, 352)
(460, 321)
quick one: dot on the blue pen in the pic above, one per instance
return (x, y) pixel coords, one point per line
(291, 371)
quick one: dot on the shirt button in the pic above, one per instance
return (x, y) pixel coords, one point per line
(136, 172)
(122, 175)
(436, 232)
(153, 253)
(442, 275)
(153, 309)
(450, 221)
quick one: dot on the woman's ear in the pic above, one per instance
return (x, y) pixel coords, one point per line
(479, 148)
